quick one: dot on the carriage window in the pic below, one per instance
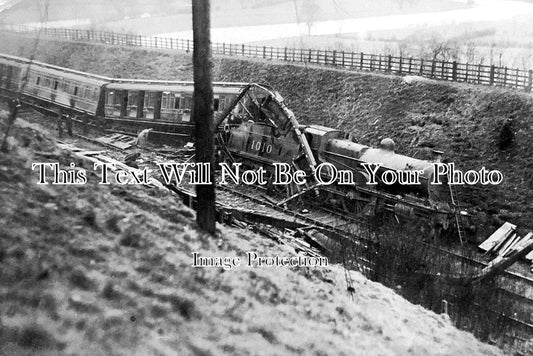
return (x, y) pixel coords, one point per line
(222, 103)
(149, 100)
(177, 102)
(132, 97)
(76, 91)
(186, 103)
(38, 80)
(110, 98)
(56, 83)
(164, 100)
(216, 101)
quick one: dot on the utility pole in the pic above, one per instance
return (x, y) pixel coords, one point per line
(202, 113)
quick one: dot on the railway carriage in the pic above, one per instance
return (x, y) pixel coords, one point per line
(161, 101)
(11, 70)
(127, 105)
(51, 87)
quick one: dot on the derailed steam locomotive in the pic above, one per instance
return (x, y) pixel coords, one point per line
(260, 131)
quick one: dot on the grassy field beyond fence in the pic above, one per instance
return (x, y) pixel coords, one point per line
(430, 68)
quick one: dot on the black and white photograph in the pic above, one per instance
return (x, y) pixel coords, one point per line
(266, 177)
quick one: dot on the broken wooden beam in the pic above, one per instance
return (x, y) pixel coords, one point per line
(500, 263)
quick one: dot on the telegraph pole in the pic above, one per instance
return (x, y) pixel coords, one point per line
(202, 112)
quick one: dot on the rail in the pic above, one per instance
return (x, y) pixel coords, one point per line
(431, 68)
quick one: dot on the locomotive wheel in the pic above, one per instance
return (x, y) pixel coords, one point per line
(353, 206)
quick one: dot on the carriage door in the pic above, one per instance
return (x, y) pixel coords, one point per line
(140, 104)
(132, 103)
(9, 77)
(157, 105)
(123, 95)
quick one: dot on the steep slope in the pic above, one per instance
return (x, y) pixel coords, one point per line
(106, 269)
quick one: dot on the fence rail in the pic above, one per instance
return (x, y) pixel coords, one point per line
(435, 69)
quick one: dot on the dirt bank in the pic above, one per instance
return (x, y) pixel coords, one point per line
(464, 121)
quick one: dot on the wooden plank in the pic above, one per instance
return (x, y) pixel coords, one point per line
(511, 240)
(499, 264)
(522, 242)
(501, 243)
(503, 232)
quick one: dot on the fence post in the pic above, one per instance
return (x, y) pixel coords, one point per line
(371, 62)
(410, 64)
(505, 76)
(310, 55)
(433, 65)
(466, 74)
(188, 48)
(530, 80)
(400, 66)
(491, 77)
(243, 50)
(361, 61)
(421, 66)
(389, 63)
(334, 57)
(342, 58)
(326, 57)
(379, 64)
(516, 78)
(454, 71)
(264, 51)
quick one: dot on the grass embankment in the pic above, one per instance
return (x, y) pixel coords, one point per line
(106, 269)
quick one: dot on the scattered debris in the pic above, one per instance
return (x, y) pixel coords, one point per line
(142, 138)
(498, 237)
(117, 140)
(508, 246)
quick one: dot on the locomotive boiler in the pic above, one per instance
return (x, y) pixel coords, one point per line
(269, 133)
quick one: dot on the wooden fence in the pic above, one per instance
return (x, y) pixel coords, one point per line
(435, 69)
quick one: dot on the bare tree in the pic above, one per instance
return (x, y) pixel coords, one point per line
(309, 10)
(471, 52)
(202, 112)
